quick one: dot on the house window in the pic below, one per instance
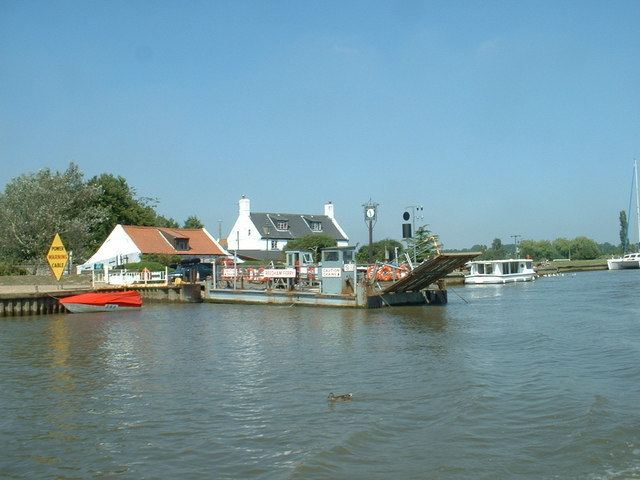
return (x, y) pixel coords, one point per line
(315, 226)
(274, 244)
(182, 244)
(282, 224)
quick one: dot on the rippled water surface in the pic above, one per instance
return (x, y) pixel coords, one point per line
(537, 380)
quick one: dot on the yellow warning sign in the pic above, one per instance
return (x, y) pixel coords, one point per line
(57, 257)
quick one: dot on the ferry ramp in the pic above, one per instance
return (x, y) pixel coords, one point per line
(430, 271)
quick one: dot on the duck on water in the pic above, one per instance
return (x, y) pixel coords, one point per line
(340, 398)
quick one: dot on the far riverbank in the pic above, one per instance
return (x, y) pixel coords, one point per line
(562, 266)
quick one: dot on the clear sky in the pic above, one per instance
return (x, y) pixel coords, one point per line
(499, 118)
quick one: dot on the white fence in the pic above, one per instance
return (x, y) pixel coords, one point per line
(124, 277)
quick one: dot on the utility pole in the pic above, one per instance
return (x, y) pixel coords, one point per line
(515, 240)
(416, 210)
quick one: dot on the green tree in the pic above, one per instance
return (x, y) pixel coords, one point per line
(381, 250)
(193, 222)
(607, 249)
(538, 249)
(168, 222)
(312, 243)
(624, 231)
(427, 243)
(585, 249)
(495, 252)
(36, 206)
(563, 248)
(119, 200)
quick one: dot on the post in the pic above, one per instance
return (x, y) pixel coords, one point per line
(370, 242)
(515, 240)
(414, 208)
(413, 230)
(235, 259)
(635, 168)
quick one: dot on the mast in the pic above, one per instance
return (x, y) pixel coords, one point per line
(635, 168)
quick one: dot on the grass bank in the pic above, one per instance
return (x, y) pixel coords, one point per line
(558, 266)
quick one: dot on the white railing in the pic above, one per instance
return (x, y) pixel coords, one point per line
(126, 278)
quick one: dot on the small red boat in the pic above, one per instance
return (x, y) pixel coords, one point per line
(102, 301)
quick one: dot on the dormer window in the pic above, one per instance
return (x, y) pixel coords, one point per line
(315, 226)
(182, 244)
(282, 224)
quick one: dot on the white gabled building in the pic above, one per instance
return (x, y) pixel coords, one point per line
(255, 232)
(126, 244)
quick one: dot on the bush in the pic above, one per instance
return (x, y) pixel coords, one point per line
(11, 269)
(139, 266)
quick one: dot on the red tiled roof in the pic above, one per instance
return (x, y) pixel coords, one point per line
(158, 240)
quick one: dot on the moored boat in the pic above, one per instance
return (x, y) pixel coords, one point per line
(102, 301)
(630, 260)
(500, 271)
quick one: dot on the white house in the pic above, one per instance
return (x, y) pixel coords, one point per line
(256, 232)
(126, 244)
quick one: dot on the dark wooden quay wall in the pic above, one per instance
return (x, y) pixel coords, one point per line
(21, 305)
(39, 303)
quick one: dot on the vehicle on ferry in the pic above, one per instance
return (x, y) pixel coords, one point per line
(500, 271)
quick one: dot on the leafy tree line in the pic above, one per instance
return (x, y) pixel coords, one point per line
(580, 248)
(36, 206)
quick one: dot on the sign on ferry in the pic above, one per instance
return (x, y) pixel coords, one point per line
(331, 272)
(57, 257)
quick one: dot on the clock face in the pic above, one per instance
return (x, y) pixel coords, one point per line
(370, 212)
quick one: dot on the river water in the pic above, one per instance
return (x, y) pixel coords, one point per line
(538, 380)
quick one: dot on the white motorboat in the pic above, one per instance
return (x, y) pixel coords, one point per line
(500, 271)
(630, 260)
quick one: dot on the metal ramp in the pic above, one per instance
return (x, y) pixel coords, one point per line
(430, 271)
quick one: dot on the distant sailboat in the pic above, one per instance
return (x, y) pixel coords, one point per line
(630, 260)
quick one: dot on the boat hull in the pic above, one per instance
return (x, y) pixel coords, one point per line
(620, 264)
(102, 301)
(84, 308)
(498, 279)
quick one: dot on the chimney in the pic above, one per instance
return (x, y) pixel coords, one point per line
(244, 206)
(328, 210)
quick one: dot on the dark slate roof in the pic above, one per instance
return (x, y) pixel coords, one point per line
(268, 256)
(298, 225)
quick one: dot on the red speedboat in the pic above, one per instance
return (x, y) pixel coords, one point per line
(102, 301)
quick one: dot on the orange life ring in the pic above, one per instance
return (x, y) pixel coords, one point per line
(261, 277)
(370, 271)
(385, 274)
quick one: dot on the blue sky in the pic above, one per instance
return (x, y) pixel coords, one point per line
(500, 118)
